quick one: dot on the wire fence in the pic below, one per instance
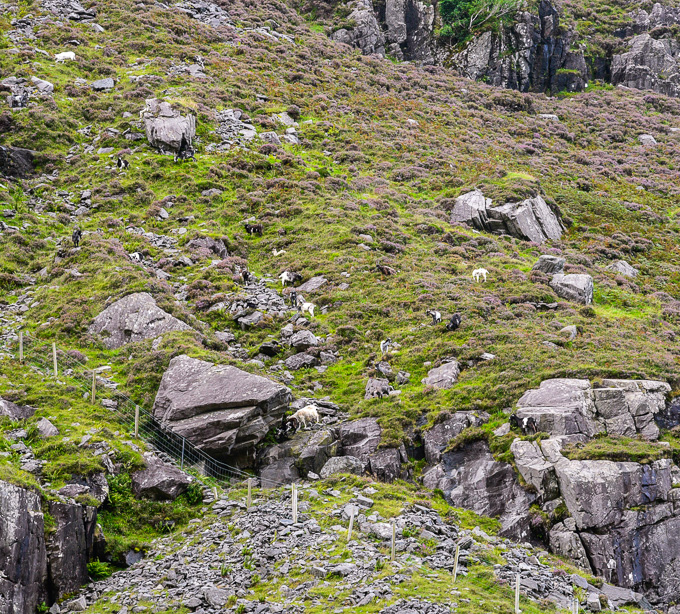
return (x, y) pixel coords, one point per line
(65, 368)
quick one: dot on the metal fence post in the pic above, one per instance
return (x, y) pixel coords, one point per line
(21, 346)
(54, 359)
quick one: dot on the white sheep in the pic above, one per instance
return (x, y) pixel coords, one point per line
(306, 416)
(436, 316)
(385, 346)
(308, 307)
(278, 252)
(289, 277)
(477, 273)
(66, 55)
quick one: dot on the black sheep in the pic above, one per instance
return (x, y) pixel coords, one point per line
(454, 322)
(76, 236)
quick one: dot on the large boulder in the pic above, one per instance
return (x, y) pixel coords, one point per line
(69, 547)
(360, 438)
(134, 318)
(366, 33)
(14, 411)
(16, 162)
(158, 480)
(166, 128)
(549, 264)
(342, 464)
(623, 268)
(221, 409)
(529, 220)
(471, 478)
(575, 287)
(306, 451)
(534, 468)
(444, 376)
(23, 559)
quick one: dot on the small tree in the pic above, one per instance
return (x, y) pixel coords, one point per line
(464, 17)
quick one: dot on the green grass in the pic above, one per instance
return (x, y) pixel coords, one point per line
(617, 449)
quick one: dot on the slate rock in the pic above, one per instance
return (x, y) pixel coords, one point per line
(159, 481)
(14, 411)
(360, 438)
(549, 264)
(166, 128)
(303, 340)
(134, 318)
(312, 285)
(444, 376)
(46, 428)
(436, 439)
(574, 287)
(623, 268)
(16, 162)
(103, 84)
(301, 360)
(342, 464)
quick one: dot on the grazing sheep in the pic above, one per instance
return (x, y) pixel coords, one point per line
(385, 345)
(477, 273)
(454, 322)
(122, 163)
(278, 252)
(290, 277)
(308, 307)
(186, 151)
(76, 236)
(245, 275)
(436, 316)
(66, 55)
(308, 415)
(527, 425)
(254, 229)
(293, 298)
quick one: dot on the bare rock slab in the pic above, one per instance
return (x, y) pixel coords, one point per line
(159, 481)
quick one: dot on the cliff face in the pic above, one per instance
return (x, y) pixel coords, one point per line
(540, 51)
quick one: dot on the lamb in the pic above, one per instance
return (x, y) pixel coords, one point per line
(477, 273)
(290, 277)
(66, 55)
(454, 322)
(254, 229)
(308, 415)
(436, 316)
(385, 345)
(122, 163)
(76, 236)
(308, 307)
(293, 297)
(278, 252)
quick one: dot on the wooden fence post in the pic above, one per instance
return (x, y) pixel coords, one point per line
(94, 385)
(455, 563)
(249, 501)
(517, 610)
(21, 346)
(54, 359)
(295, 507)
(351, 524)
(394, 538)
(136, 421)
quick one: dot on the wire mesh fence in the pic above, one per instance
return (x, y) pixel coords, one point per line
(65, 368)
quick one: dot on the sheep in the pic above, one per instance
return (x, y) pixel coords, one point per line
(436, 316)
(385, 346)
(66, 55)
(454, 322)
(278, 252)
(477, 273)
(308, 415)
(254, 229)
(527, 425)
(245, 275)
(122, 163)
(385, 270)
(186, 151)
(308, 307)
(76, 236)
(293, 297)
(290, 277)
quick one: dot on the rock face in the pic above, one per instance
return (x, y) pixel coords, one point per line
(23, 559)
(529, 220)
(14, 411)
(443, 377)
(574, 287)
(16, 162)
(438, 437)
(219, 408)
(166, 128)
(649, 65)
(69, 547)
(366, 34)
(134, 318)
(159, 481)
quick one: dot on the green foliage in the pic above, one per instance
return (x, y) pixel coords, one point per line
(462, 18)
(98, 570)
(617, 449)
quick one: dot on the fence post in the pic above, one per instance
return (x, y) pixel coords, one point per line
(94, 385)
(137, 421)
(21, 346)
(575, 606)
(394, 538)
(351, 524)
(455, 563)
(295, 509)
(517, 610)
(54, 358)
(181, 464)
(249, 501)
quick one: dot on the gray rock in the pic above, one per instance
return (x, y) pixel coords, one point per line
(166, 128)
(565, 541)
(312, 285)
(159, 481)
(77, 605)
(647, 139)
(301, 361)
(529, 220)
(308, 450)
(14, 411)
(208, 244)
(134, 318)
(534, 468)
(377, 388)
(385, 464)
(221, 409)
(44, 87)
(23, 559)
(216, 597)
(252, 319)
(342, 464)
(103, 84)
(574, 287)
(571, 331)
(549, 264)
(16, 162)
(366, 34)
(623, 268)
(279, 472)
(270, 137)
(443, 377)
(303, 340)
(438, 437)
(46, 428)
(360, 438)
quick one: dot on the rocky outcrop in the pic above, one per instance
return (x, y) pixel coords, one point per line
(436, 439)
(134, 318)
(166, 128)
(221, 409)
(649, 64)
(366, 34)
(529, 220)
(14, 411)
(16, 162)
(573, 287)
(444, 376)
(23, 559)
(69, 547)
(158, 480)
